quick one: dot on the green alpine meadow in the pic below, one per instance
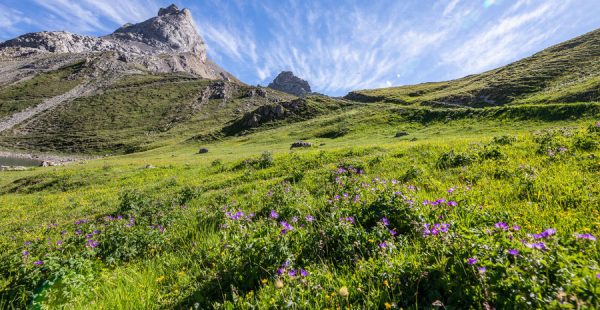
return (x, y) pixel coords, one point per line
(136, 173)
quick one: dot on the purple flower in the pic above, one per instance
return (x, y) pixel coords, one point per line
(385, 221)
(383, 245)
(309, 218)
(356, 198)
(280, 270)
(89, 236)
(292, 273)
(513, 252)
(92, 244)
(38, 262)
(78, 232)
(452, 203)
(25, 253)
(472, 261)
(393, 232)
(286, 227)
(481, 269)
(295, 219)
(586, 236)
(544, 234)
(303, 273)
(598, 275)
(501, 225)
(450, 190)
(349, 219)
(274, 215)
(537, 245)
(516, 227)
(59, 242)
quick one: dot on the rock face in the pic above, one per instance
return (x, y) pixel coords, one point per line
(287, 82)
(166, 43)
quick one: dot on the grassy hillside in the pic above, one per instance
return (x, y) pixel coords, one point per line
(136, 113)
(255, 224)
(17, 97)
(567, 72)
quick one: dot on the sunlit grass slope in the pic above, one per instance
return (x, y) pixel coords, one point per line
(482, 207)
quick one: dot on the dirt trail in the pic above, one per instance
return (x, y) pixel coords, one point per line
(15, 119)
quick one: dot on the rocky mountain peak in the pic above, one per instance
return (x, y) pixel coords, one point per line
(171, 9)
(168, 42)
(287, 82)
(172, 29)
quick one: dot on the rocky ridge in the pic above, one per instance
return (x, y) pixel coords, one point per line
(165, 43)
(287, 82)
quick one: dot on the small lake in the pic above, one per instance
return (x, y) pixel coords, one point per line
(13, 161)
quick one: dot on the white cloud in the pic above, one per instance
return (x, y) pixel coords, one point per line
(501, 41)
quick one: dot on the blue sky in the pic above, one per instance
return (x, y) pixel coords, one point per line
(337, 46)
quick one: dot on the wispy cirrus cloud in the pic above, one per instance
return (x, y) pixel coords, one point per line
(518, 31)
(337, 45)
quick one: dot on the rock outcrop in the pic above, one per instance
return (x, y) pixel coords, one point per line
(165, 43)
(287, 82)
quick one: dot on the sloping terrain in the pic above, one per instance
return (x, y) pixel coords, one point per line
(567, 72)
(137, 111)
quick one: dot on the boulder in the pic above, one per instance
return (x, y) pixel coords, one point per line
(401, 134)
(298, 144)
(202, 150)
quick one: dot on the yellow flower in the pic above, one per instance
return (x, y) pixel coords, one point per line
(160, 279)
(388, 306)
(344, 291)
(386, 283)
(264, 281)
(371, 240)
(181, 274)
(279, 284)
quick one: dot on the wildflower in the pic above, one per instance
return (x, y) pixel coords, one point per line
(25, 253)
(89, 236)
(292, 273)
(385, 221)
(513, 252)
(393, 232)
(472, 261)
(383, 245)
(537, 245)
(78, 232)
(264, 281)
(274, 215)
(386, 283)
(356, 198)
(598, 275)
(59, 242)
(452, 203)
(501, 225)
(38, 263)
(544, 234)
(278, 284)
(344, 291)
(586, 236)
(349, 219)
(309, 218)
(450, 190)
(286, 227)
(160, 279)
(303, 273)
(280, 271)
(481, 270)
(388, 306)
(516, 227)
(295, 219)
(92, 244)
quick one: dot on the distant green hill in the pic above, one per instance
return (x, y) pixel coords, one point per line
(567, 72)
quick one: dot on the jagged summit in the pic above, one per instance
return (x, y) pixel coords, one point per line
(168, 42)
(172, 29)
(287, 82)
